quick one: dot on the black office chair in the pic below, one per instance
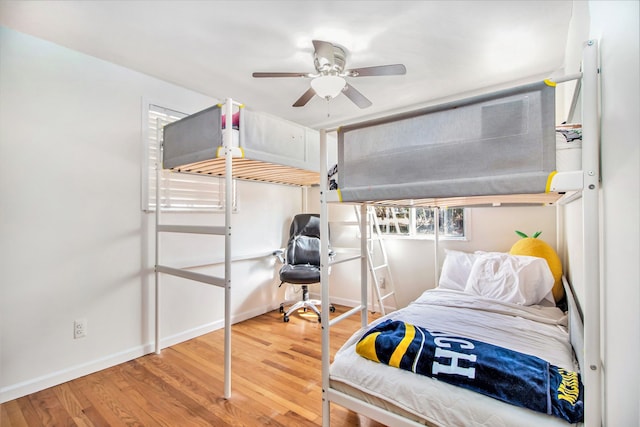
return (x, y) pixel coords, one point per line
(301, 260)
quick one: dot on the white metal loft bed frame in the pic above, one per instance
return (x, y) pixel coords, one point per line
(198, 140)
(585, 184)
(222, 282)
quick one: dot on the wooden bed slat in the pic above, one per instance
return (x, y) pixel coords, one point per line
(254, 170)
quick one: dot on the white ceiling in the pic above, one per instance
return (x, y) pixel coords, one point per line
(450, 48)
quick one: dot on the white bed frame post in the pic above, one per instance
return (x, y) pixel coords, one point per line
(436, 245)
(228, 208)
(224, 282)
(592, 371)
(325, 263)
(158, 347)
(324, 279)
(364, 272)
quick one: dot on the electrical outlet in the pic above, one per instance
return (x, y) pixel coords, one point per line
(383, 283)
(79, 328)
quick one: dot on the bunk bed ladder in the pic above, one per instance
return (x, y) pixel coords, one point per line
(377, 251)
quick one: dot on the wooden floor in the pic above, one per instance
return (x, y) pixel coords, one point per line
(276, 381)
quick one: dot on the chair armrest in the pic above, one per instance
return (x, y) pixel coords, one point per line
(279, 253)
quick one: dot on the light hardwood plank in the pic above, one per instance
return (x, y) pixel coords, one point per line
(276, 381)
(11, 414)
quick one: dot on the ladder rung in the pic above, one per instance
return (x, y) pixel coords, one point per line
(345, 222)
(374, 234)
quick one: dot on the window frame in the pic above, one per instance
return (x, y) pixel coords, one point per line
(414, 235)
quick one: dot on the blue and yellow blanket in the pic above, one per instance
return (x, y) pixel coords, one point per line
(513, 377)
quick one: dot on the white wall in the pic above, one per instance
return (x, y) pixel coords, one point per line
(74, 242)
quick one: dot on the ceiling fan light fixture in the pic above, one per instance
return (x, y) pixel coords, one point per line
(328, 87)
(329, 79)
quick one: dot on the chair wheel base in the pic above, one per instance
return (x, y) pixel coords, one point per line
(306, 306)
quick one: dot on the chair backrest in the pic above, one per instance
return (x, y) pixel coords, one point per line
(304, 240)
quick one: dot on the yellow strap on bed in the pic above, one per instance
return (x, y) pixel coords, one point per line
(550, 82)
(220, 152)
(549, 180)
(401, 349)
(366, 347)
(339, 194)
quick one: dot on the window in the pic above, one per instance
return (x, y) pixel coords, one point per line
(419, 222)
(178, 191)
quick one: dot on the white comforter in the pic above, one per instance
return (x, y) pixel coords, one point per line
(536, 330)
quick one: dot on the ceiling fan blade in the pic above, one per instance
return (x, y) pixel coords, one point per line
(302, 101)
(354, 95)
(324, 53)
(379, 70)
(276, 74)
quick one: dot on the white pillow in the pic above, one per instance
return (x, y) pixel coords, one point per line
(456, 269)
(516, 279)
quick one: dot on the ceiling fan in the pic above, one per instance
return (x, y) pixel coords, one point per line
(329, 79)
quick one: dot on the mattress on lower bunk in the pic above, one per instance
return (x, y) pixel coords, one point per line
(536, 330)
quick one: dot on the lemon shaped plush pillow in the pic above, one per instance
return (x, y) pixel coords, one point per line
(532, 246)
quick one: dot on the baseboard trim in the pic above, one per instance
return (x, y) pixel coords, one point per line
(24, 388)
(350, 302)
(210, 327)
(34, 385)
